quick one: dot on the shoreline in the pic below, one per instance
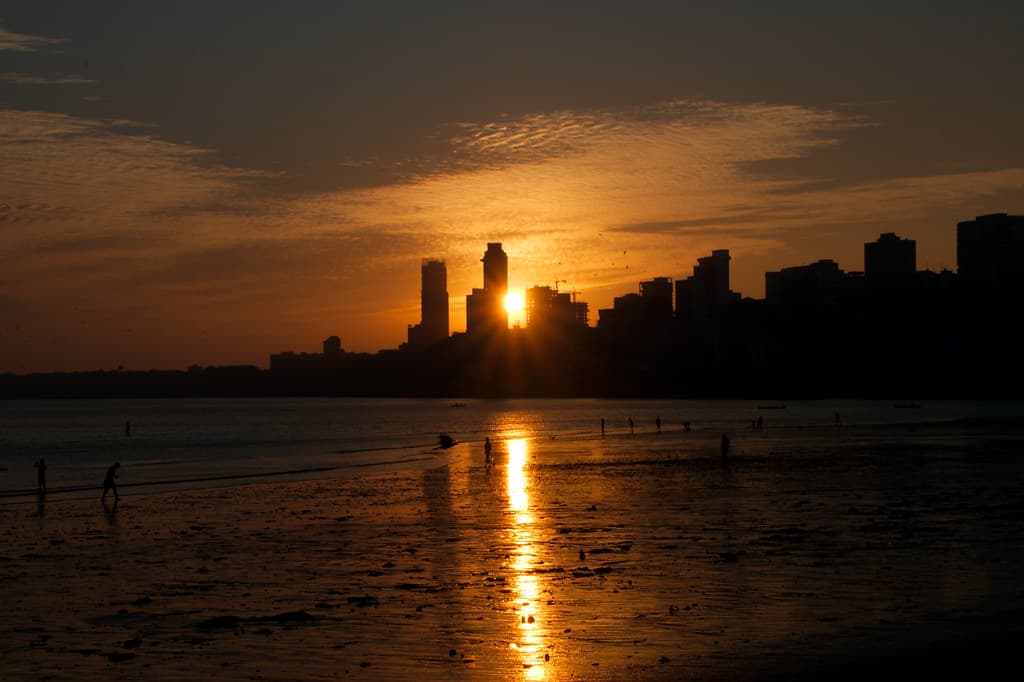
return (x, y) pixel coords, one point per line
(567, 560)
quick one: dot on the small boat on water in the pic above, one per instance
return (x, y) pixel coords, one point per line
(771, 407)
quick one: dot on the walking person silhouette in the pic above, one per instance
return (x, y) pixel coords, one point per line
(109, 483)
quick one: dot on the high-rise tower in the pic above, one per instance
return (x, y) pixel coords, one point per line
(495, 270)
(434, 301)
(485, 308)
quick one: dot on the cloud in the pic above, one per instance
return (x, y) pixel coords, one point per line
(603, 197)
(105, 215)
(22, 42)
(26, 79)
(63, 172)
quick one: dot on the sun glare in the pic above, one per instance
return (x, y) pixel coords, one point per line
(513, 302)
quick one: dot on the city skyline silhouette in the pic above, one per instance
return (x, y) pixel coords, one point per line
(176, 190)
(819, 332)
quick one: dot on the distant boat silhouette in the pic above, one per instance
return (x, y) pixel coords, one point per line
(910, 404)
(771, 407)
(458, 404)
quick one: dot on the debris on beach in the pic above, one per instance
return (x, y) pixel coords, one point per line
(445, 441)
(363, 602)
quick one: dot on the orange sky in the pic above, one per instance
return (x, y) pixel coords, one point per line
(212, 201)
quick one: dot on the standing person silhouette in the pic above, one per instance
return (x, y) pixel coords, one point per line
(631, 425)
(487, 452)
(109, 483)
(127, 429)
(657, 423)
(602, 427)
(41, 475)
(725, 450)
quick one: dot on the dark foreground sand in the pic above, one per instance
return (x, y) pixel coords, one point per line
(580, 560)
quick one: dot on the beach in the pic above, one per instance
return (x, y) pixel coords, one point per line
(627, 557)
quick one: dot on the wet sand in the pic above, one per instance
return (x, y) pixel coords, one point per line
(620, 558)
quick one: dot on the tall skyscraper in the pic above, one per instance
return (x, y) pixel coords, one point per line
(495, 270)
(434, 301)
(485, 308)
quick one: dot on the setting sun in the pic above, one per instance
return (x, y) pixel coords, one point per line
(513, 302)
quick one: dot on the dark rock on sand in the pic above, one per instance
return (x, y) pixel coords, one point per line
(219, 623)
(290, 617)
(363, 602)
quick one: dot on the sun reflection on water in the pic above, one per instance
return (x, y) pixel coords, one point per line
(530, 645)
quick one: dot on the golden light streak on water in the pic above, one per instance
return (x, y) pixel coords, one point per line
(528, 603)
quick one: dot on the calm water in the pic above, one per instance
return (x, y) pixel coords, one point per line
(191, 443)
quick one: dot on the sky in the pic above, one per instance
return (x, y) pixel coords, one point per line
(208, 183)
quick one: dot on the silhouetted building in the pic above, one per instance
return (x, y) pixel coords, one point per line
(705, 293)
(548, 308)
(890, 261)
(820, 282)
(332, 346)
(291, 362)
(707, 287)
(656, 296)
(485, 308)
(988, 253)
(495, 269)
(433, 327)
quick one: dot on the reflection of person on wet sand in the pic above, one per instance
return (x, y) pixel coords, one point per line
(111, 512)
(109, 483)
(487, 452)
(41, 475)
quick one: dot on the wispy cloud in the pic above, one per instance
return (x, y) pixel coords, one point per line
(603, 198)
(102, 214)
(26, 79)
(22, 42)
(65, 170)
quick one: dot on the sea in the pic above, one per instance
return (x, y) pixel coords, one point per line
(176, 444)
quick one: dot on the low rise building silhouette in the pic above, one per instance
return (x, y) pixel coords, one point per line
(551, 309)
(890, 261)
(988, 252)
